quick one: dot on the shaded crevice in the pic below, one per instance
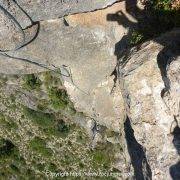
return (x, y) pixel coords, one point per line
(142, 170)
(65, 22)
(174, 170)
(168, 54)
(164, 59)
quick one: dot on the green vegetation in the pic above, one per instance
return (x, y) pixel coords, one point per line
(31, 82)
(11, 162)
(100, 158)
(60, 100)
(6, 148)
(160, 17)
(136, 38)
(56, 131)
(42, 104)
(103, 155)
(47, 122)
(162, 4)
(7, 122)
(40, 118)
(47, 138)
(82, 137)
(58, 97)
(167, 17)
(12, 98)
(39, 145)
(51, 79)
(63, 128)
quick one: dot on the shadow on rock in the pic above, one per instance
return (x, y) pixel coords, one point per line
(175, 169)
(168, 54)
(152, 21)
(142, 170)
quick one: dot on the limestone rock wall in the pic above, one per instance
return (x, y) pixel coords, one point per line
(83, 46)
(44, 10)
(141, 101)
(151, 79)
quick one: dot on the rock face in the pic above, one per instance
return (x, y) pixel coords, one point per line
(15, 16)
(86, 46)
(9, 31)
(44, 10)
(151, 78)
(144, 106)
(88, 56)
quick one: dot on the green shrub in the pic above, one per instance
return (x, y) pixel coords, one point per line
(9, 151)
(103, 155)
(11, 162)
(48, 123)
(162, 4)
(6, 148)
(100, 157)
(31, 82)
(14, 168)
(7, 122)
(2, 119)
(12, 98)
(51, 80)
(82, 137)
(52, 167)
(11, 124)
(164, 18)
(39, 145)
(40, 166)
(47, 78)
(42, 104)
(58, 97)
(136, 38)
(159, 17)
(62, 128)
(40, 118)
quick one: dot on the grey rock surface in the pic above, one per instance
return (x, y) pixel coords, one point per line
(10, 34)
(152, 82)
(45, 10)
(85, 49)
(82, 48)
(18, 15)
